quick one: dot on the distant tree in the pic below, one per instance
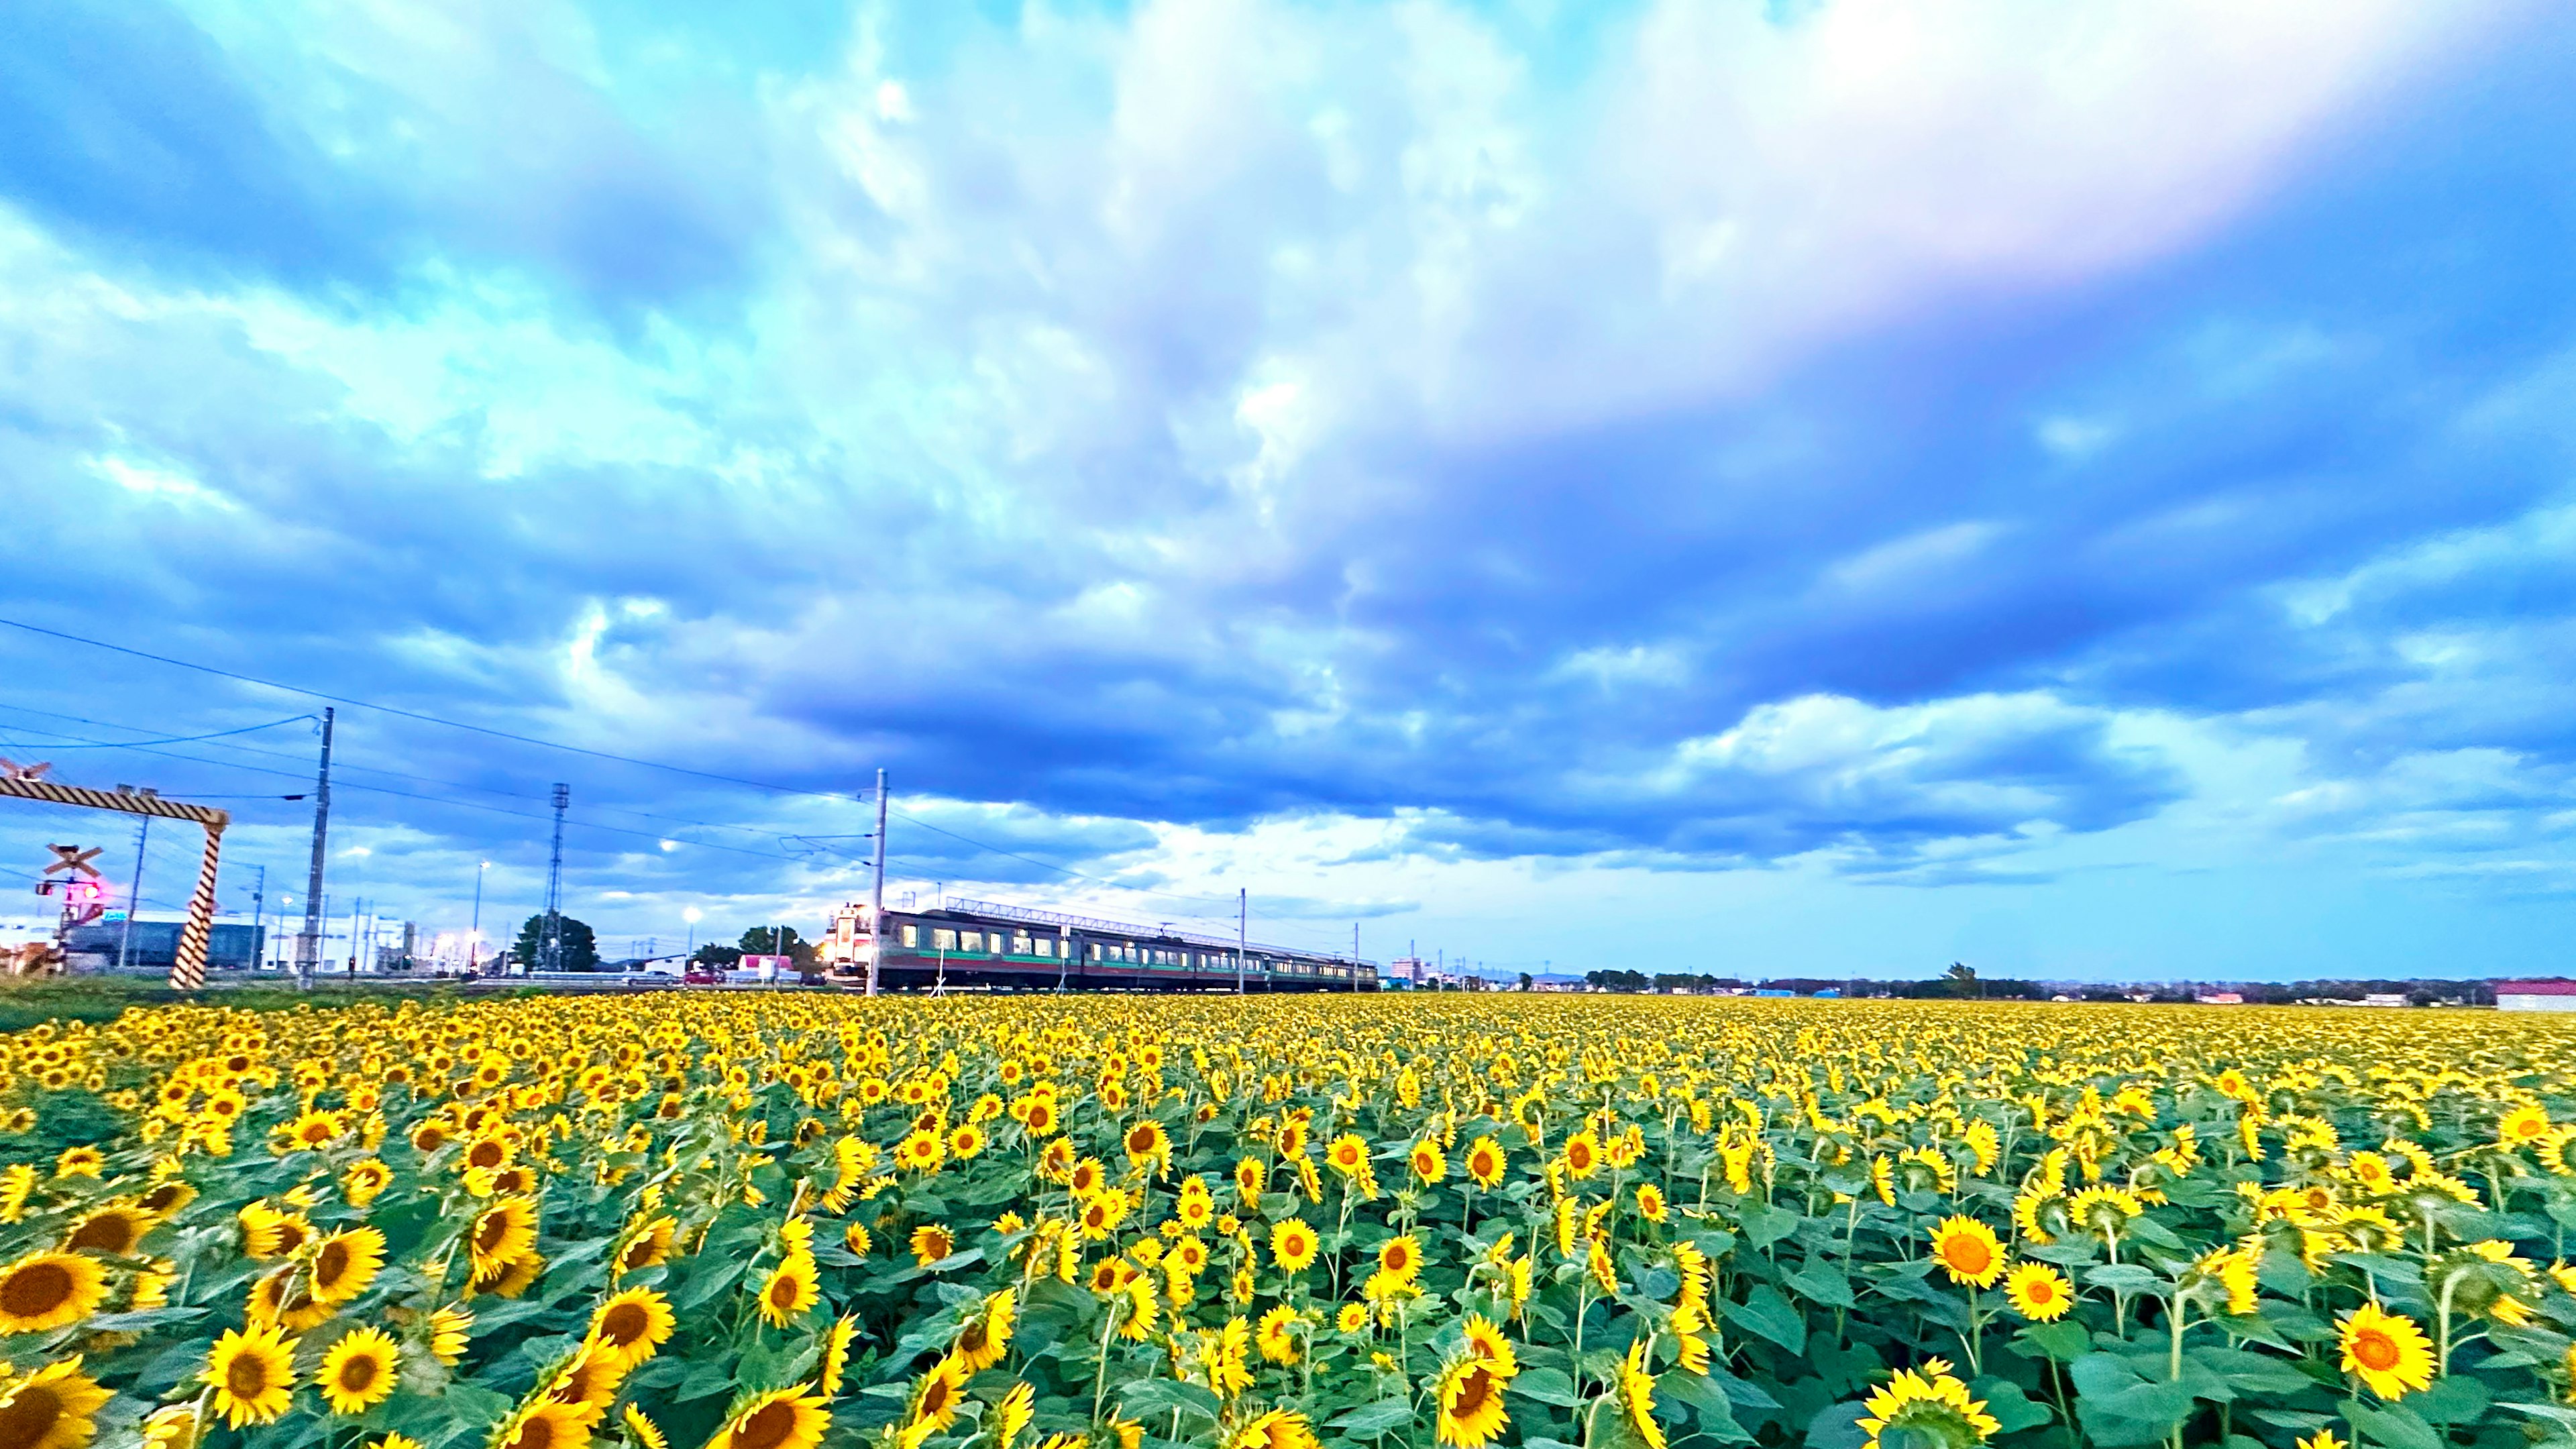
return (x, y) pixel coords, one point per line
(1527, 981)
(711, 954)
(580, 947)
(763, 941)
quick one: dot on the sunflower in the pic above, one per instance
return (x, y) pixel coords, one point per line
(47, 1290)
(2387, 1351)
(172, 1426)
(1487, 1342)
(50, 1408)
(588, 1377)
(1485, 1160)
(1637, 1396)
(936, 1394)
(857, 1239)
(1293, 1244)
(1276, 1429)
(836, 1355)
(2039, 1292)
(252, 1373)
(987, 1335)
(1085, 1177)
(502, 1234)
(110, 1230)
(1348, 1155)
(346, 1262)
(512, 1278)
(268, 1233)
(1136, 1318)
(1967, 1250)
(931, 1243)
(2524, 1126)
(645, 1433)
(546, 1424)
(17, 1183)
(1428, 1162)
(1471, 1403)
(792, 1288)
(1650, 1202)
(2233, 1272)
(449, 1331)
(365, 1181)
(633, 1325)
(1931, 1405)
(1276, 1334)
(1146, 1142)
(647, 1245)
(490, 1153)
(1250, 1178)
(358, 1371)
(1351, 1318)
(1582, 1154)
(1400, 1258)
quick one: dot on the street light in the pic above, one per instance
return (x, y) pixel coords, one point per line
(692, 915)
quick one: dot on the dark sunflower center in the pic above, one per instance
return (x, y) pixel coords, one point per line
(246, 1377)
(359, 1374)
(768, 1428)
(36, 1289)
(106, 1233)
(2375, 1351)
(624, 1324)
(30, 1418)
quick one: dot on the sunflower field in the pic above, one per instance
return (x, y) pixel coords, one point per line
(787, 1221)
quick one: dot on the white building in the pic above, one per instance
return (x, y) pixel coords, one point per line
(2536, 996)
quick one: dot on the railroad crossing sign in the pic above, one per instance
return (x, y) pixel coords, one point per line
(74, 859)
(188, 963)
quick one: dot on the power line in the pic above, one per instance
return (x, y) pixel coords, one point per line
(367, 769)
(552, 745)
(417, 715)
(435, 800)
(179, 739)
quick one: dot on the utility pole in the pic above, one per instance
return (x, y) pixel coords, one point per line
(550, 951)
(1355, 955)
(308, 946)
(1242, 915)
(474, 936)
(876, 899)
(259, 918)
(134, 896)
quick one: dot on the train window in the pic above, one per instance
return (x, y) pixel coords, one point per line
(943, 940)
(912, 935)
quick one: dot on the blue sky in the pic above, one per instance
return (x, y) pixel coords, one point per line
(1772, 488)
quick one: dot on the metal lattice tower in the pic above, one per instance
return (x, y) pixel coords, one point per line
(550, 950)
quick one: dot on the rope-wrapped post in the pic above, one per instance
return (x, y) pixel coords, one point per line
(188, 963)
(188, 966)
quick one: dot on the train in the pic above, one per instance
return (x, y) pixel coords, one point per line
(986, 945)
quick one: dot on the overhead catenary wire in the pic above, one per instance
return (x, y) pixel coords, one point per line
(339, 766)
(413, 714)
(488, 731)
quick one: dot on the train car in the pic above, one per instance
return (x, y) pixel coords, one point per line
(984, 945)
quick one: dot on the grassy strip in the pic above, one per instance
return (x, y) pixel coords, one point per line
(103, 998)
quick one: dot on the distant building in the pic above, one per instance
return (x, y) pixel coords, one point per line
(2221, 998)
(155, 945)
(1411, 970)
(2384, 998)
(2536, 996)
